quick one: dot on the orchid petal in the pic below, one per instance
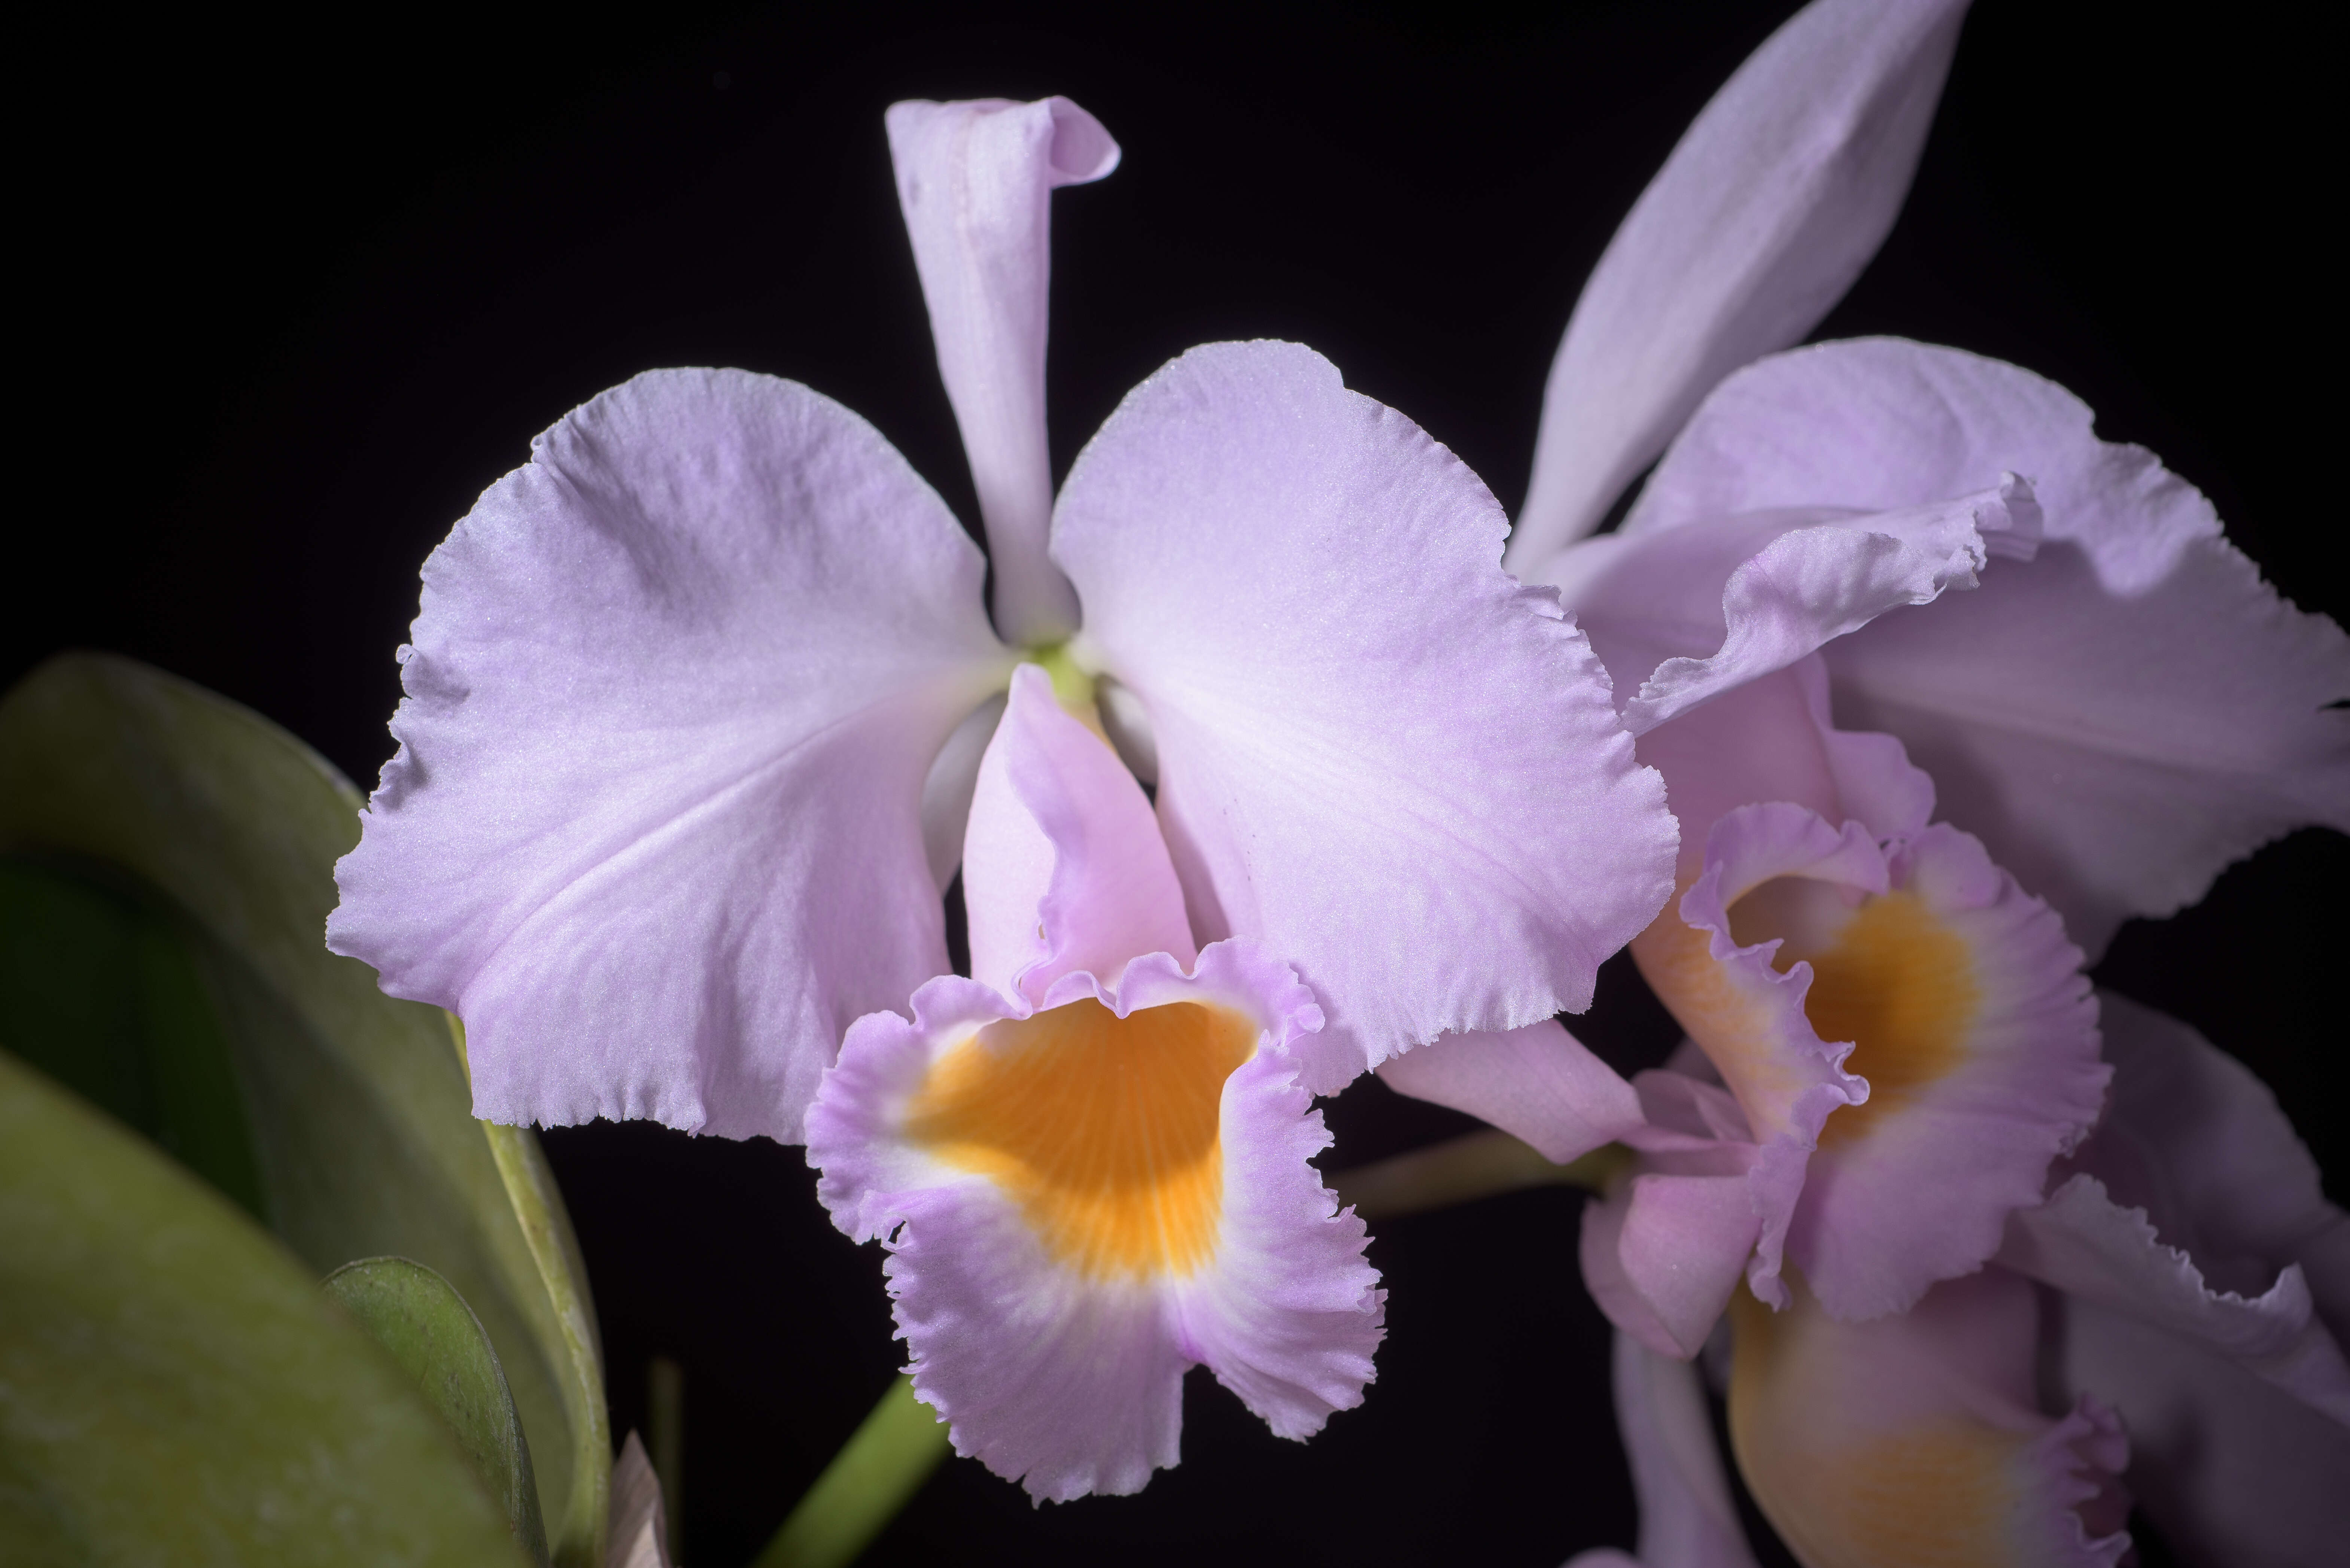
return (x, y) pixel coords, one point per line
(1770, 740)
(1775, 198)
(1353, 707)
(1069, 1232)
(1063, 870)
(653, 829)
(1979, 1075)
(1539, 1083)
(2232, 1469)
(1751, 596)
(2179, 704)
(1686, 1519)
(975, 180)
(1916, 1438)
(2091, 1248)
(2196, 1140)
(1662, 1253)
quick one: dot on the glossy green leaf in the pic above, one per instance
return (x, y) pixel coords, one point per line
(356, 1105)
(436, 1339)
(173, 1388)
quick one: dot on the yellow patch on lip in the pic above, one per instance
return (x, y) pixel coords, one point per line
(1939, 1492)
(1106, 1131)
(1893, 978)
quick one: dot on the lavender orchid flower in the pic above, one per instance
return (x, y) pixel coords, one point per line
(698, 725)
(1893, 1041)
(2195, 1295)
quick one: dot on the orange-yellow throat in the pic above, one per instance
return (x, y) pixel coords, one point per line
(1105, 1130)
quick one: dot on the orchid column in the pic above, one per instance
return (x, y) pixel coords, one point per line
(696, 707)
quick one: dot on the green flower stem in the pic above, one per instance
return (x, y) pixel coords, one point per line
(877, 1473)
(1475, 1165)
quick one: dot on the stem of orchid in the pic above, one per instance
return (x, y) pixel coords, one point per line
(877, 1473)
(1475, 1165)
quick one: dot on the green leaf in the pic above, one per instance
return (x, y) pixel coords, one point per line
(174, 1389)
(436, 1339)
(355, 1107)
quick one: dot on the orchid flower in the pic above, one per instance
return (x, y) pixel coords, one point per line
(2194, 1298)
(697, 704)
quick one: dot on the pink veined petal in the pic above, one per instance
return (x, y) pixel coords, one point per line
(1539, 1083)
(2090, 1247)
(1725, 603)
(1686, 1519)
(1775, 198)
(2232, 1469)
(1063, 870)
(2117, 719)
(653, 829)
(1917, 1185)
(1377, 753)
(975, 180)
(1060, 1375)
(1916, 1439)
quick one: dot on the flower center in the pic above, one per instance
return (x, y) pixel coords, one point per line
(1106, 1131)
(1889, 976)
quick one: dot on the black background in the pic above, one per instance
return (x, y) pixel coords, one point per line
(294, 297)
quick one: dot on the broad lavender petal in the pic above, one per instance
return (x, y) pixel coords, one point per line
(653, 829)
(1353, 707)
(2190, 713)
(1775, 198)
(1918, 1437)
(1063, 869)
(975, 180)
(1538, 1084)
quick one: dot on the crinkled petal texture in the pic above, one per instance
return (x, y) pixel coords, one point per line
(1681, 616)
(1354, 709)
(2119, 718)
(1686, 1519)
(2202, 1264)
(975, 181)
(1806, 955)
(653, 829)
(1081, 1202)
(1089, 1184)
(1916, 1439)
(1773, 200)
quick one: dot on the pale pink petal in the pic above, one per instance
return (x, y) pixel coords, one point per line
(653, 829)
(1718, 605)
(1686, 1519)
(1770, 740)
(1052, 1368)
(975, 180)
(1063, 870)
(1539, 1083)
(1777, 197)
(1662, 1252)
(2091, 1248)
(2117, 719)
(2192, 1138)
(1918, 1437)
(2234, 1471)
(1376, 752)
(1970, 1098)
(947, 790)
